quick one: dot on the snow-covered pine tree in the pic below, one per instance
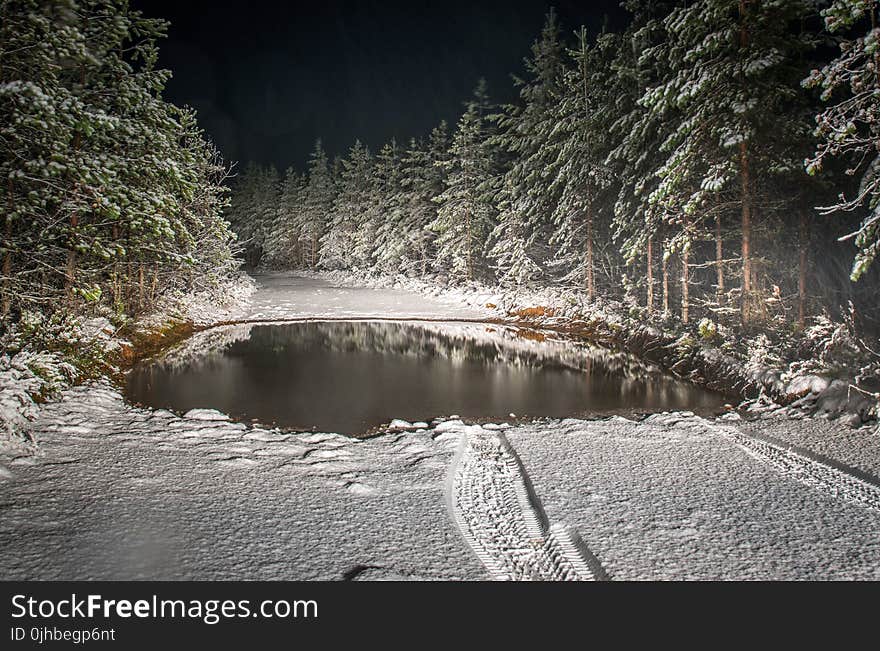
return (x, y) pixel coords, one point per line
(732, 69)
(580, 144)
(317, 204)
(284, 243)
(35, 172)
(241, 205)
(340, 242)
(422, 180)
(525, 131)
(850, 128)
(465, 215)
(253, 210)
(206, 256)
(512, 242)
(433, 182)
(101, 176)
(267, 214)
(638, 134)
(389, 246)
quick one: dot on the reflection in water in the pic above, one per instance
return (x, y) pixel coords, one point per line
(351, 376)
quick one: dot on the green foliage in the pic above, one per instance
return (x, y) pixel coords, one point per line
(708, 330)
(105, 185)
(525, 197)
(65, 352)
(850, 128)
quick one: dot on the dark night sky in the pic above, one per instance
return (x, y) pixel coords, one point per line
(268, 77)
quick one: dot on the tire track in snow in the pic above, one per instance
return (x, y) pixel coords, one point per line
(497, 511)
(813, 469)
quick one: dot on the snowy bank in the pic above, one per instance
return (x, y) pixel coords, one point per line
(41, 357)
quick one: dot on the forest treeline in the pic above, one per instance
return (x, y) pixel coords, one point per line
(715, 158)
(110, 195)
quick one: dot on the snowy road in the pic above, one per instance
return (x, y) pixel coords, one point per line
(285, 296)
(676, 497)
(117, 492)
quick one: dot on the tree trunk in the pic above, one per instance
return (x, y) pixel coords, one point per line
(142, 290)
(115, 283)
(685, 294)
(802, 270)
(424, 256)
(719, 261)
(154, 284)
(314, 251)
(746, 235)
(591, 287)
(650, 262)
(467, 226)
(746, 299)
(591, 283)
(7, 269)
(70, 267)
(664, 270)
(685, 254)
(7, 257)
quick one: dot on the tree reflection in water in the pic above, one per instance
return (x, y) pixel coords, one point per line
(351, 376)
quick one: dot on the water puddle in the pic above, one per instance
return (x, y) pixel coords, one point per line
(349, 377)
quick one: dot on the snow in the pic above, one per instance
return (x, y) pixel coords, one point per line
(855, 447)
(287, 296)
(205, 414)
(23, 377)
(675, 497)
(493, 505)
(113, 491)
(204, 307)
(127, 493)
(29, 376)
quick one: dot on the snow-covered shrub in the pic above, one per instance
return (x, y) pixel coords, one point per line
(26, 379)
(708, 329)
(685, 344)
(832, 346)
(762, 354)
(39, 356)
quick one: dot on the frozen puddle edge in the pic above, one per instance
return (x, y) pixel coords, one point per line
(497, 511)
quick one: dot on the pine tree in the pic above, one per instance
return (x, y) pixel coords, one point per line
(583, 119)
(205, 259)
(317, 204)
(254, 209)
(731, 76)
(638, 134)
(266, 215)
(525, 131)
(850, 129)
(284, 246)
(422, 180)
(101, 176)
(465, 214)
(34, 120)
(341, 242)
(389, 246)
